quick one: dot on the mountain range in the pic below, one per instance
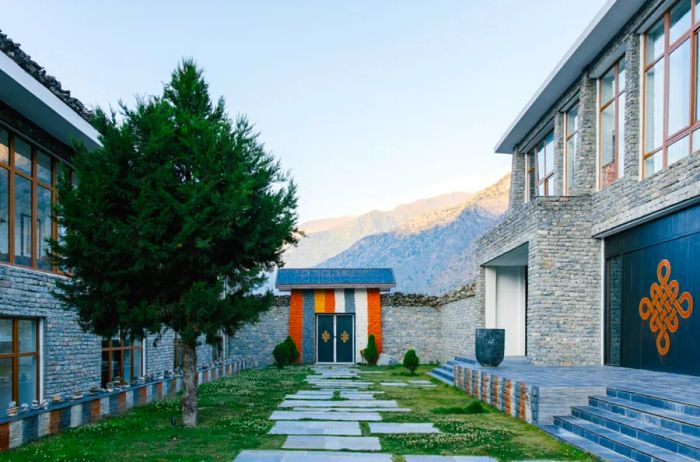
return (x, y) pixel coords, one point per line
(428, 243)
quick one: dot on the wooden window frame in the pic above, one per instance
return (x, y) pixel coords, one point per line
(15, 355)
(35, 183)
(602, 106)
(121, 348)
(669, 139)
(539, 181)
(567, 137)
(529, 175)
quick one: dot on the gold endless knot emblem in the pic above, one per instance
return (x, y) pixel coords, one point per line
(664, 306)
(344, 337)
(325, 336)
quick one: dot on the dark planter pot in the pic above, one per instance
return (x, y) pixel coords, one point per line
(490, 346)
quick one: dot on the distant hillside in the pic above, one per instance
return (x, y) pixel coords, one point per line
(433, 252)
(328, 237)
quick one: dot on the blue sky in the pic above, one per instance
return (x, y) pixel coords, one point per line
(369, 103)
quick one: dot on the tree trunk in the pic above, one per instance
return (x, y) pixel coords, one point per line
(189, 381)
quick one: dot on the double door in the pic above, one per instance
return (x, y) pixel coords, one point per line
(335, 338)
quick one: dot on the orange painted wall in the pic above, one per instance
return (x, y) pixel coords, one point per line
(330, 300)
(296, 312)
(374, 316)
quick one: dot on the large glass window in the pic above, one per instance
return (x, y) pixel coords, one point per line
(570, 147)
(19, 360)
(611, 122)
(540, 168)
(671, 82)
(28, 178)
(122, 358)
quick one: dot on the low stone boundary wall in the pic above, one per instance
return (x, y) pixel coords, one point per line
(33, 424)
(516, 399)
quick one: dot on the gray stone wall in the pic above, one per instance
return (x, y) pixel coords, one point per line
(416, 327)
(458, 321)
(160, 351)
(256, 341)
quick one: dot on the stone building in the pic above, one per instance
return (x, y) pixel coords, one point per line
(595, 260)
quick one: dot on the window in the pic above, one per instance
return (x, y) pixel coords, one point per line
(19, 360)
(671, 83)
(121, 358)
(28, 178)
(570, 147)
(540, 169)
(611, 123)
(530, 186)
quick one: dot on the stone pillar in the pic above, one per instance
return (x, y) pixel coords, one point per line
(559, 167)
(585, 168)
(632, 107)
(517, 180)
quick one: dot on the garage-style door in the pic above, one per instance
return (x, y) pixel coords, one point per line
(652, 285)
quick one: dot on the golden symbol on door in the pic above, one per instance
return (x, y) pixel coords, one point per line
(664, 307)
(325, 336)
(345, 337)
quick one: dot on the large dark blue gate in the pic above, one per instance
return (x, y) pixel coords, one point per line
(652, 285)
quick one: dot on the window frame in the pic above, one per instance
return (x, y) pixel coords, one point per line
(691, 35)
(568, 158)
(15, 355)
(548, 174)
(121, 348)
(35, 183)
(601, 107)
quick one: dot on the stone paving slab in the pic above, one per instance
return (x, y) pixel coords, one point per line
(310, 456)
(420, 382)
(350, 409)
(355, 396)
(335, 443)
(327, 395)
(381, 428)
(329, 403)
(394, 384)
(450, 459)
(325, 415)
(320, 427)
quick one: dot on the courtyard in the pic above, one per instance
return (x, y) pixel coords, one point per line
(354, 403)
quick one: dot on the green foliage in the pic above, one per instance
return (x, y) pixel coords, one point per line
(281, 354)
(293, 350)
(475, 407)
(174, 220)
(371, 354)
(411, 361)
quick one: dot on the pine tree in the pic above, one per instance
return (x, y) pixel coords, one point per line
(173, 222)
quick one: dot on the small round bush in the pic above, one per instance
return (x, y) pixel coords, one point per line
(293, 350)
(411, 361)
(281, 354)
(371, 352)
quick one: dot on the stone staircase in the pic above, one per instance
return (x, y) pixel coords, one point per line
(624, 426)
(444, 371)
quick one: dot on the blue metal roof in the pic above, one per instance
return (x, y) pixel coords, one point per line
(334, 278)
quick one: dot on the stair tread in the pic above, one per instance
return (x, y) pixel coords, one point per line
(683, 438)
(674, 400)
(649, 409)
(440, 378)
(585, 444)
(624, 440)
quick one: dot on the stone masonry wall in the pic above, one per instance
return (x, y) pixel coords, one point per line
(416, 327)
(256, 341)
(458, 321)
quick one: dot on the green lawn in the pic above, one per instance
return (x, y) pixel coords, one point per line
(234, 413)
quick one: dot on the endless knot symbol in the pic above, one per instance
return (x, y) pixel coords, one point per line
(325, 336)
(345, 337)
(664, 306)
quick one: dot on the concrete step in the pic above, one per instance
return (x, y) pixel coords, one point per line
(656, 401)
(622, 444)
(669, 420)
(584, 444)
(441, 376)
(681, 443)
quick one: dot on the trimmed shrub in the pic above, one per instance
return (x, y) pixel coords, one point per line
(293, 350)
(371, 352)
(281, 354)
(411, 361)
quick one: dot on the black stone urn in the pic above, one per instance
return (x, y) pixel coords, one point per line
(490, 346)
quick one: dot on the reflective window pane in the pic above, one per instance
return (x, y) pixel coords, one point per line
(607, 135)
(43, 227)
(621, 76)
(620, 136)
(655, 41)
(572, 120)
(696, 138)
(679, 88)
(607, 86)
(27, 379)
(678, 150)
(551, 188)
(105, 367)
(4, 215)
(653, 164)
(23, 156)
(137, 364)
(4, 150)
(697, 80)
(43, 167)
(23, 221)
(571, 147)
(116, 365)
(5, 337)
(540, 162)
(27, 335)
(127, 366)
(5, 382)
(540, 189)
(549, 152)
(680, 20)
(653, 107)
